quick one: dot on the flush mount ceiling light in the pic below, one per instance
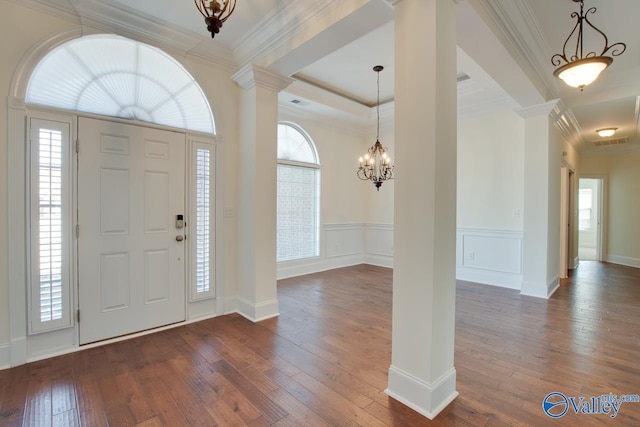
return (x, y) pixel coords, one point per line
(375, 165)
(582, 68)
(215, 13)
(606, 132)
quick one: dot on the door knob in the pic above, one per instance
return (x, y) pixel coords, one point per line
(179, 238)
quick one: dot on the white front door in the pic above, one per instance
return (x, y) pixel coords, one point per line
(131, 265)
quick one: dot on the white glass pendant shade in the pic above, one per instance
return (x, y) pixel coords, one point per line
(113, 76)
(583, 72)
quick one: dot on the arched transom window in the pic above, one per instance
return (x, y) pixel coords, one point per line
(114, 76)
(298, 195)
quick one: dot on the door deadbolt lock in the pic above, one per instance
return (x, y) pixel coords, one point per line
(179, 221)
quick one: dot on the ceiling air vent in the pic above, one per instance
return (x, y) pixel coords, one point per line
(299, 102)
(615, 141)
(462, 77)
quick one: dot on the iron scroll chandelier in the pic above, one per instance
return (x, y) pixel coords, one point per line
(582, 68)
(215, 13)
(375, 165)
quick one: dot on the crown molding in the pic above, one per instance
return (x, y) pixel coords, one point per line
(294, 24)
(331, 99)
(537, 110)
(276, 28)
(517, 25)
(350, 124)
(566, 121)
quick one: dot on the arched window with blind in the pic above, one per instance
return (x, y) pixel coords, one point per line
(298, 225)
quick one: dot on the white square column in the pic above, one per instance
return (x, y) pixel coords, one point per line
(257, 176)
(422, 374)
(541, 220)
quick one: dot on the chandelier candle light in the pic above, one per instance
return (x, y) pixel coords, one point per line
(580, 68)
(376, 165)
(215, 13)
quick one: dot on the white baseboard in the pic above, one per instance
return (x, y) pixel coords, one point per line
(540, 290)
(300, 268)
(257, 311)
(5, 356)
(230, 305)
(623, 260)
(425, 398)
(488, 277)
(379, 260)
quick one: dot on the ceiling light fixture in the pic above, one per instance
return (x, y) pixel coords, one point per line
(606, 132)
(580, 68)
(376, 165)
(215, 13)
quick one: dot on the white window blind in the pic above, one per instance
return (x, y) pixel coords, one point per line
(298, 213)
(203, 216)
(298, 196)
(50, 236)
(114, 76)
(50, 218)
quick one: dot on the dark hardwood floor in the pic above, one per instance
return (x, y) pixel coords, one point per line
(324, 361)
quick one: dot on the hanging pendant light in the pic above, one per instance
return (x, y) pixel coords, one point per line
(580, 68)
(215, 13)
(375, 165)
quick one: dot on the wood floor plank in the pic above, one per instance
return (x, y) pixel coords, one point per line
(324, 361)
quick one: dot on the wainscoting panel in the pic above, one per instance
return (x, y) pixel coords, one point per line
(343, 239)
(379, 244)
(341, 245)
(492, 257)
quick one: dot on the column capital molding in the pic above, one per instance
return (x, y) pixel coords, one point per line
(251, 76)
(537, 110)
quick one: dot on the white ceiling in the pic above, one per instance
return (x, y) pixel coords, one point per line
(330, 46)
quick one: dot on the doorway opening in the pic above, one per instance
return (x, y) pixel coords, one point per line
(590, 215)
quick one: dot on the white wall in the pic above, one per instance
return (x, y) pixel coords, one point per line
(490, 198)
(490, 171)
(622, 204)
(16, 38)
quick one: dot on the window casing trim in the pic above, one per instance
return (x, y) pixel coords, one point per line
(197, 144)
(66, 125)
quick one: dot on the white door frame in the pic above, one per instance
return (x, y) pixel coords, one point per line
(565, 220)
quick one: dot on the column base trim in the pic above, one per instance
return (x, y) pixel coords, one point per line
(540, 290)
(424, 398)
(257, 312)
